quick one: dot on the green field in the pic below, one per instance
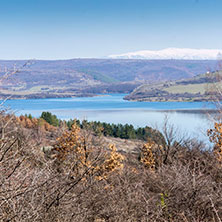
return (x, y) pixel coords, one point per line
(192, 88)
(200, 88)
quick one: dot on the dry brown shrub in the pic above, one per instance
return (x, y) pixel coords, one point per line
(215, 136)
(80, 153)
(35, 123)
(84, 180)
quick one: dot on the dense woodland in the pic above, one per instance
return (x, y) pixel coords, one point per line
(59, 172)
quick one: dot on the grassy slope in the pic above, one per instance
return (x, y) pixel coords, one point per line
(192, 89)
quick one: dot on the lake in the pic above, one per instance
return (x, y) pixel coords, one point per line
(189, 118)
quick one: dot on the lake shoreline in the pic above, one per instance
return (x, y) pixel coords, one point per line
(89, 95)
(111, 108)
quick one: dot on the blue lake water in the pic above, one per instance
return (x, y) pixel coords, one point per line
(113, 109)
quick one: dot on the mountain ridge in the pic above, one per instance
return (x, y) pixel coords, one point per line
(172, 53)
(77, 77)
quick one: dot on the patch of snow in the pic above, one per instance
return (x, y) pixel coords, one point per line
(173, 53)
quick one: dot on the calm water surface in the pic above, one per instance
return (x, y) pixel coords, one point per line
(113, 109)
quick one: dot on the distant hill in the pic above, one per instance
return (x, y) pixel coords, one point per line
(202, 87)
(173, 53)
(90, 76)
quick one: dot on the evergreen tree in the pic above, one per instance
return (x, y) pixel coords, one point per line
(49, 118)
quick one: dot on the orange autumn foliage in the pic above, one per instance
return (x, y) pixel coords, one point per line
(79, 155)
(113, 161)
(215, 136)
(35, 123)
(147, 156)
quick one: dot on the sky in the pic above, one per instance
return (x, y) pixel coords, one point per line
(65, 29)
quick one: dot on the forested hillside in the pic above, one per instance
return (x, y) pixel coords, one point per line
(78, 77)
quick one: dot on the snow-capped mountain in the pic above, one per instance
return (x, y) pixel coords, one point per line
(173, 53)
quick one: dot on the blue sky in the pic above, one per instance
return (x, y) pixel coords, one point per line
(63, 29)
